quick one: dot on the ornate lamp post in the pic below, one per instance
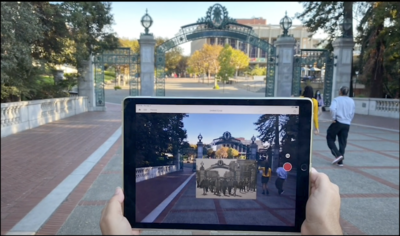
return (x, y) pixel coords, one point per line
(346, 26)
(200, 137)
(146, 21)
(355, 83)
(285, 24)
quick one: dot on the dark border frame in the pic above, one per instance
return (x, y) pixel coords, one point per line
(304, 154)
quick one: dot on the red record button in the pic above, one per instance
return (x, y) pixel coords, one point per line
(287, 166)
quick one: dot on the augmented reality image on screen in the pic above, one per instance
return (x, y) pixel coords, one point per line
(203, 167)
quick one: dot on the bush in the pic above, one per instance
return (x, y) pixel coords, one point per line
(117, 87)
(258, 71)
(109, 73)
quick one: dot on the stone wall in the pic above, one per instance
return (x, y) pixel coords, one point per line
(378, 107)
(20, 116)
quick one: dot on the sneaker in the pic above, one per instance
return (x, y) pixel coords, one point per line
(263, 192)
(282, 192)
(267, 192)
(341, 165)
(337, 160)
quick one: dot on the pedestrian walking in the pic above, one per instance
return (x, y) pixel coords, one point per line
(342, 111)
(320, 101)
(265, 175)
(308, 93)
(280, 180)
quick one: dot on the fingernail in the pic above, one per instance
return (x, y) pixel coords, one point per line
(117, 190)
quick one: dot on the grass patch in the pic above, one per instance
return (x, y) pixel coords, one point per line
(109, 73)
(109, 78)
(46, 79)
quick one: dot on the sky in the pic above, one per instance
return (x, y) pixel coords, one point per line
(212, 126)
(168, 17)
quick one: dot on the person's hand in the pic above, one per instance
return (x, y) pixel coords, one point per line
(323, 207)
(316, 132)
(112, 220)
(334, 121)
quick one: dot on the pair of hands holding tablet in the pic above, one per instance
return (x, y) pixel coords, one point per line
(322, 210)
(314, 202)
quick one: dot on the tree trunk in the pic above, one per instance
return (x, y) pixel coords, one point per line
(376, 83)
(276, 144)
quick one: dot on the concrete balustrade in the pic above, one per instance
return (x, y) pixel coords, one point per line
(377, 107)
(146, 173)
(20, 116)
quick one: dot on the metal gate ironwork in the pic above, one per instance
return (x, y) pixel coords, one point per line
(216, 24)
(119, 56)
(316, 60)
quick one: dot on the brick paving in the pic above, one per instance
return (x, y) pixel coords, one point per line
(35, 161)
(368, 182)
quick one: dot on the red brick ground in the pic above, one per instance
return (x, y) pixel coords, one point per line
(56, 221)
(35, 161)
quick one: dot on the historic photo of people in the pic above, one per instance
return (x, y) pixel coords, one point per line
(226, 179)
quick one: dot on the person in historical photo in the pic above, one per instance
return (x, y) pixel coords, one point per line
(221, 179)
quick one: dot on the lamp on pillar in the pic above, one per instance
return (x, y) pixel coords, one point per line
(355, 83)
(346, 26)
(285, 24)
(146, 21)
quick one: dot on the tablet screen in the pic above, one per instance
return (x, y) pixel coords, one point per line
(215, 164)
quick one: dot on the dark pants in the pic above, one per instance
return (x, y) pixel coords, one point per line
(279, 184)
(341, 131)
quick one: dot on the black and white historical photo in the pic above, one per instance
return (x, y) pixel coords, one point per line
(226, 179)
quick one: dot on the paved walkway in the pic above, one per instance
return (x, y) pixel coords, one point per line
(35, 161)
(369, 181)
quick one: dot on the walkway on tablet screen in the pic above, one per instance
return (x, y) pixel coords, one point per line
(57, 178)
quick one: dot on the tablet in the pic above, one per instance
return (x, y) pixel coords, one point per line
(216, 163)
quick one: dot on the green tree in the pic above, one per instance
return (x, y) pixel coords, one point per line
(195, 64)
(377, 33)
(160, 134)
(182, 65)
(258, 71)
(130, 43)
(172, 57)
(239, 60)
(222, 152)
(211, 153)
(278, 130)
(232, 153)
(226, 68)
(326, 16)
(20, 28)
(90, 26)
(379, 37)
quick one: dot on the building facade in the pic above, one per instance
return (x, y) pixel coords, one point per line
(266, 32)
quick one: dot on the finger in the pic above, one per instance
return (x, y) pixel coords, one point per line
(322, 181)
(313, 175)
(114, 206)
(136, 232)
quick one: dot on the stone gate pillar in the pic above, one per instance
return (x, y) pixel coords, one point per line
(147, 44)
(86, 85)
(200, 150)
(343, 56)
(284, 70)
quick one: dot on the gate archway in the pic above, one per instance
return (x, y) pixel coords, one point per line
(124, 57)
(314, 66)
(216, 24)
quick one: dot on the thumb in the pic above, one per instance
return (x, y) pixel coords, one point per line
(119, 194)
(116, 202)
